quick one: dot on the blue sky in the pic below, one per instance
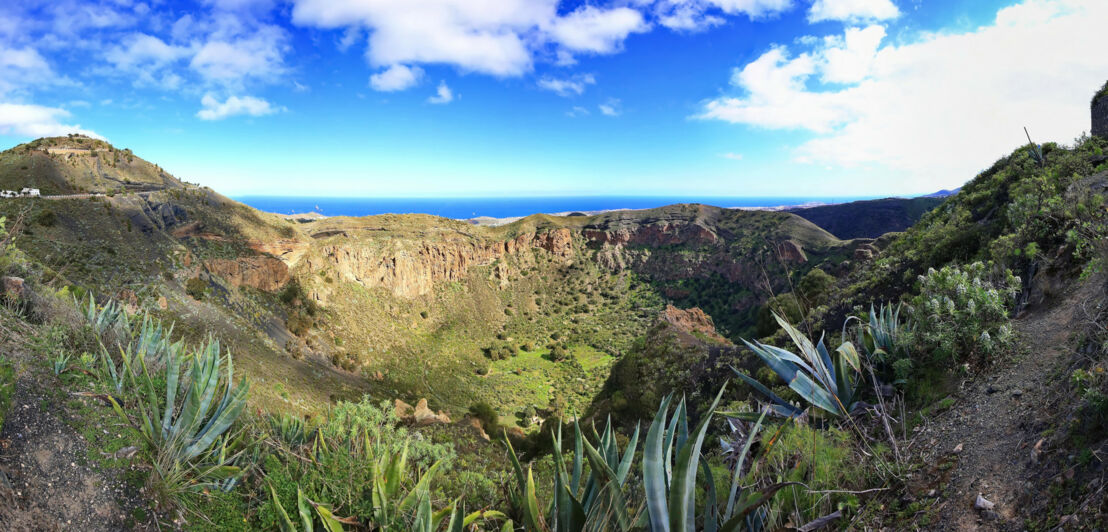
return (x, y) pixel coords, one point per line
(540, 97)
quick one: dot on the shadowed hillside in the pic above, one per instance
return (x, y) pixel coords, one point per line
(870, 218)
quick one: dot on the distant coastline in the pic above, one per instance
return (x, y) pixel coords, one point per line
(494, 211)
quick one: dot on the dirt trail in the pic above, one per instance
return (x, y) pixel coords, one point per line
(46, 482)
(997, 421)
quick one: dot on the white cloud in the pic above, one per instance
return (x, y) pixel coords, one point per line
(697, 15)
(148, 60)
(848, 60)
(612, 107)
(483, 36)
(145, 51)
(601, 31)
(230, 62)
(732, 156)
(496, 37)
(37, 121)
(442, 95)
(213, 109)
(939, 109)
(852, 10)
(396, 78)
(569, 86)
(23, 67)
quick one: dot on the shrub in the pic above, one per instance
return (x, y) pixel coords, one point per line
(487, 415)
(558, 352)
(196, 288)
(961, 313)
(46, 218)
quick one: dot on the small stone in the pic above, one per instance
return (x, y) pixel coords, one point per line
(983, 504)
(1017, 393)
(957, 449)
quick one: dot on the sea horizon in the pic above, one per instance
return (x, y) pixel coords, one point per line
(464, 208)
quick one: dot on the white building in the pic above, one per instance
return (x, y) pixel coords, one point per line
(8, 194)
(29, 192)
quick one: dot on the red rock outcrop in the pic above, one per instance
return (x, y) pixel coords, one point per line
(692, 320)
(262, 272)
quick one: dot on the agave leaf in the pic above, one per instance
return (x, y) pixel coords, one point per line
(457, 518)
(422, 486)
(330, 523)
(395, 471)
(305, 510)
(778, 401)
(578, 457)
(654, 476)
(628, 457)
(816, 394)
(682, 506)
(711, 509)
(531, 514)
(282, 517)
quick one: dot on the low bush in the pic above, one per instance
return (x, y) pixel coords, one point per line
(961, 313)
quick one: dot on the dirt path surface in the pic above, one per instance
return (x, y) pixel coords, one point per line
(986, 443)
(46, 482)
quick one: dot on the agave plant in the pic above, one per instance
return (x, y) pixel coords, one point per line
(671, 460)
(152, 339)
(884, 330)
(60, 363)
(184, 436)
(105, 318)
(394, 510)
(598, 504)
(829, 382)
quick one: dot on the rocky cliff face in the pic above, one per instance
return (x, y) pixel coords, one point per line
(411, 268)
(261, 272)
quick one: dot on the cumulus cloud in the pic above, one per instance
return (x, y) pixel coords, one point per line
(595, 30)
(396, 78)
(213, 109)
(565, 87)
(849, 59)
(732, 156)
(501, 40)
(852, 10)
(442, 95)
(940, 108)
(257, 55)
(37, 121)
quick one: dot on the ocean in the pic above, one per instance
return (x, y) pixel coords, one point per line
(465, 208)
